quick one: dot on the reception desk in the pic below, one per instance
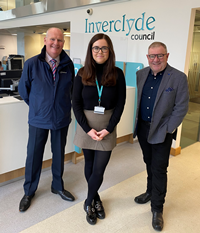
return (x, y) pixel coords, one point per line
(14, 135)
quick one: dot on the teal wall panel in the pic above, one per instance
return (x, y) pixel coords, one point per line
(130, 76)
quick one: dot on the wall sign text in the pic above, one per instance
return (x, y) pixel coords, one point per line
(124, 25)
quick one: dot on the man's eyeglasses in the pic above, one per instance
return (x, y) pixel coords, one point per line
(153, 56)
(103, 49)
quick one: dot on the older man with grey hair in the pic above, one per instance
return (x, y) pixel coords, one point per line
(45, 86)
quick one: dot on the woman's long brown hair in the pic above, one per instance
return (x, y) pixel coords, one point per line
(88, 72)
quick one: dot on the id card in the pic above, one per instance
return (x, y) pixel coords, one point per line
(99, 110)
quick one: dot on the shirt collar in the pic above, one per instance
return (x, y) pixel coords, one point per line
(48, 58)
(158, 74)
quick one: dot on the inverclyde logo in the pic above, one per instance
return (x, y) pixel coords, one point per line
(124, 25)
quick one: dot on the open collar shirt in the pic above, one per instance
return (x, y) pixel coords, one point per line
(149, 93)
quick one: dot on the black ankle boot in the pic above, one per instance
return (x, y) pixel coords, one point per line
(157, 221)
(91, 215)
(99, 209)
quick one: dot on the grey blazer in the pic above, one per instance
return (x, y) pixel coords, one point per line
(171, 104)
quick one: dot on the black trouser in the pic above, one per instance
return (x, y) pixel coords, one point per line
(35, 150)
(95, 165)
(156, 157)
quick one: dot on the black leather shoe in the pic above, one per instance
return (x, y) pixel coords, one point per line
(65, 195)
(157, 221)
(25, 202)
(99, 209)
(91, 215)
(143, 198)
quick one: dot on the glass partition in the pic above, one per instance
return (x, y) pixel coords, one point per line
(191, 122)
(11, 4)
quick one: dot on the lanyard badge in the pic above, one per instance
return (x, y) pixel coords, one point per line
(99, 109)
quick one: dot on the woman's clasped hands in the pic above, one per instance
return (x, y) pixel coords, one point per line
(98, 136)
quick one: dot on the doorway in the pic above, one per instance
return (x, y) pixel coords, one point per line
(191, 123)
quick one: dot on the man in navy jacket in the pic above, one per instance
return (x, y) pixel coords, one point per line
(48, 95)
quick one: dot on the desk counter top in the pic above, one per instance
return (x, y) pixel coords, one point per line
(9, 100)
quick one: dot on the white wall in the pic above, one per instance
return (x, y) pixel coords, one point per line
(171, 26)
(33, 44)
(10, 44)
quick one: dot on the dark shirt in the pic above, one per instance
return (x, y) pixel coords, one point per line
(86, 98)
(149, 94)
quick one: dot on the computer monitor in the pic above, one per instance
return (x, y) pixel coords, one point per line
(15, 62)
(7, 78)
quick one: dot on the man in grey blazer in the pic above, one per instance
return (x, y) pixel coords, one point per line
(161, 106)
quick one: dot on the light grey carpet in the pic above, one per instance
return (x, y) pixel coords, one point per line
(126, 161)
(123, 215)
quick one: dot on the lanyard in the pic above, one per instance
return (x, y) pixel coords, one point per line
(99, 91)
